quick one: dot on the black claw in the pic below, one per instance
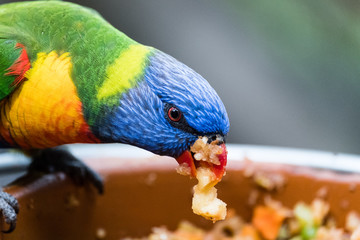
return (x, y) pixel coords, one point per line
(97, 181)
(54, 160)
(9, 208)
(11, 228)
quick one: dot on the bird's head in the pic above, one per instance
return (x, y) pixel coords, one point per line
(168, 109)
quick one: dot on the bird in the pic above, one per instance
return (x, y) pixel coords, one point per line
(68, 76)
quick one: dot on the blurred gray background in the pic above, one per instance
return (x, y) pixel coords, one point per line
(287, 71)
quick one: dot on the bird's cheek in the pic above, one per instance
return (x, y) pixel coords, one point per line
(187, 159)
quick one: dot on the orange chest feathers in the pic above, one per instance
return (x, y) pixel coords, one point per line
(45, 111)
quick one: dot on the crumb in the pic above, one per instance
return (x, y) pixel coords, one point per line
(231, 213)
(228, 229)
(183, 169)
(249, 171)
(253, 197)
(187, 230)
(150, 179)
(356, 234)
(269, 181)
(320, 210)
(330, 222)
(206, 152)
(161, 233)
(278, 207)
(322, 192)
(329, 234)
(352, 187)
(294, 226)
(30, 204)
(71, 201)
(352, 221)
(100, 233)
(344, 204)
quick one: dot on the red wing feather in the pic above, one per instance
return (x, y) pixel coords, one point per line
(20, 66)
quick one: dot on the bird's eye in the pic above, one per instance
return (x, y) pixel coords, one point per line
(177, 119)
(174, 114)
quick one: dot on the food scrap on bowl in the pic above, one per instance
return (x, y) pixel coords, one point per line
(271, 221)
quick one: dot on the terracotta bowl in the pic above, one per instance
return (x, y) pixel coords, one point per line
(143, 190)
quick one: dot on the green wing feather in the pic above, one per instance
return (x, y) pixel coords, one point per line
(44, 26)
(10, 35)
(9, 53)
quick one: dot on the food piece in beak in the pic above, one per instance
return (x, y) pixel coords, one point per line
(186, 164)
(205, 202)
(211, 155)
(206, 162)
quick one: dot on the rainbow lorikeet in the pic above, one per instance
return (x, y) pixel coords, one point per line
(68, 76)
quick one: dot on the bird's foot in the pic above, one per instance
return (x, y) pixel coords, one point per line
(59, 160)
(9, 208)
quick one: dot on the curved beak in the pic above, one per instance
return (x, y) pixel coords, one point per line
(218, 168)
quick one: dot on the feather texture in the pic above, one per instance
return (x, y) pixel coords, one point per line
(89, 82)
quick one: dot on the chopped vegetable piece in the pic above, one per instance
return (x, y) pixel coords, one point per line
(303, 213)
(356, 234)
(329, 234)
(188, 231)
(319, 210)
(267, 221)
(352, 221)
(308, 232)
(249, 232)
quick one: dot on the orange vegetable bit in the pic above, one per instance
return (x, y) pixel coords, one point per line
(249, 232)
(267, 221)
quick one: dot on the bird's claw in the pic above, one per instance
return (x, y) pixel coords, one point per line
(10, 208)
(60, 160)
(80, 174)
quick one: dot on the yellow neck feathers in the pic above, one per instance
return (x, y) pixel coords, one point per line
(125, 71)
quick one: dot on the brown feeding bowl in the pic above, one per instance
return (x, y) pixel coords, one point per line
(143, 190)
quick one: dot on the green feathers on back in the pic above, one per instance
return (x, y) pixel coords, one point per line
(44, 26)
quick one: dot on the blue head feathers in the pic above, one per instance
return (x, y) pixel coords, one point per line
(167, 111)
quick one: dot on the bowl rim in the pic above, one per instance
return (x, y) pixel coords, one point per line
(15, 161)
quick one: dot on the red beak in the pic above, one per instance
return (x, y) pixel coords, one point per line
(218, 170)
